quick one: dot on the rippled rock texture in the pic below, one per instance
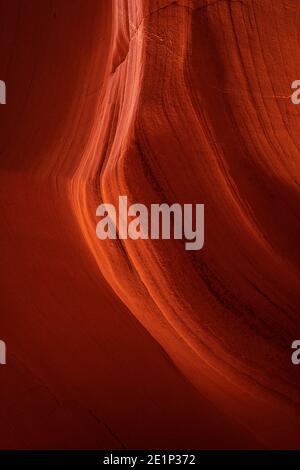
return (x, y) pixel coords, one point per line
(132, 344)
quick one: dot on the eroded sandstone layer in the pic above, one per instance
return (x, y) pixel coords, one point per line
(142, 343)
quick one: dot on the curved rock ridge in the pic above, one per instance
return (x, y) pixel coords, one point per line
(196, 108)
(163, 101)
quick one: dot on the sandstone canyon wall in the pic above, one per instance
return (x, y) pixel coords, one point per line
(142, 344)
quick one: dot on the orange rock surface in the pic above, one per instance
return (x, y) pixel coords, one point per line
(141, 344)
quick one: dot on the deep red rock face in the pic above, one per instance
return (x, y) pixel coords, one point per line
(142, 344)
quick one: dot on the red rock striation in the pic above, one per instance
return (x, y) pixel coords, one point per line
(163, 101)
